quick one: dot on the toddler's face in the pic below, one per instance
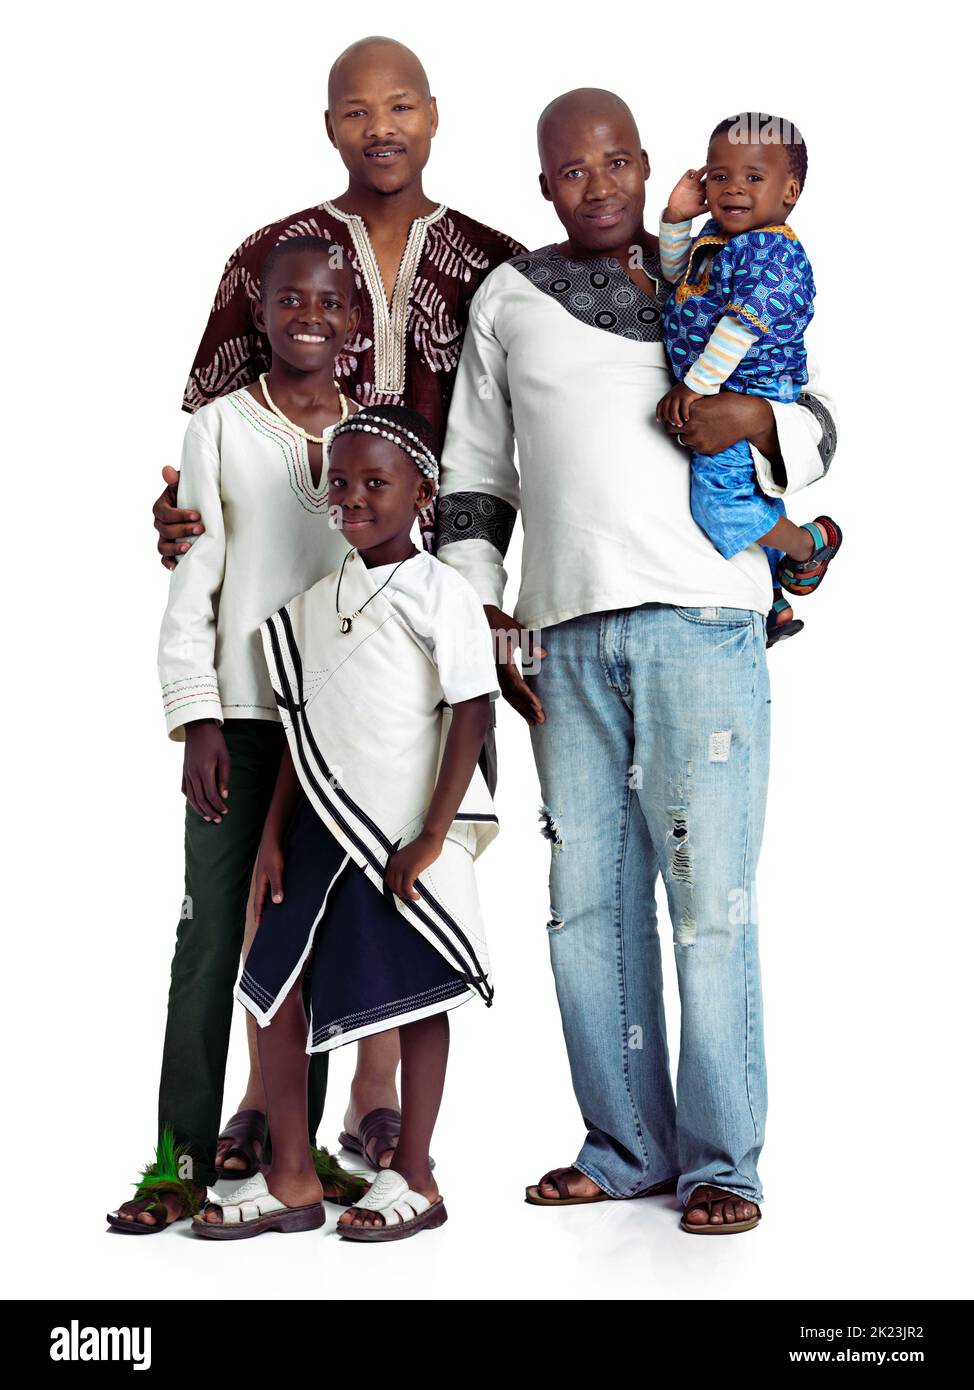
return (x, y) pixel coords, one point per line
(749, 185)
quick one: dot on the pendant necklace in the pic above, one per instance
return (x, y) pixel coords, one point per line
(311, 438)
(345, 619)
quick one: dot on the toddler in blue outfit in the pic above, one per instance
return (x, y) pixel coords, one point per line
(735, 322)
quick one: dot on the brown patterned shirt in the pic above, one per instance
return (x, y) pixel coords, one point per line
(404, 354)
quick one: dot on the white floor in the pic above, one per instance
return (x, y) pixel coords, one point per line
(495, 1247)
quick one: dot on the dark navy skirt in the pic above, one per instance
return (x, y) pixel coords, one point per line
(370, 969)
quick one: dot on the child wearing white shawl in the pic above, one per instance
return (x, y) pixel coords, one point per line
(384, 672)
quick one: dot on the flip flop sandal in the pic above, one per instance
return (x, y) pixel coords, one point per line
(250, 1210)
(245, 1128)
(190, 1198)
(706, 1196)
(802, 576)
(404, 1212)
(566, 1199)
(777, 631)
(382, 1126)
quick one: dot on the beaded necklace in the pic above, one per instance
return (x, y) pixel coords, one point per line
(311, 438)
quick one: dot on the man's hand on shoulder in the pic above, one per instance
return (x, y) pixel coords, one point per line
(173, 523)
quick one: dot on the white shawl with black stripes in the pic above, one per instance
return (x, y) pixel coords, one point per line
(366, 721)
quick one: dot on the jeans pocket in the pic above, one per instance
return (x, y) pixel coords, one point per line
(716, 617)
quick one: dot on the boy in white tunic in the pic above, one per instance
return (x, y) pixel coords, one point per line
(251, 465)
(371, 836)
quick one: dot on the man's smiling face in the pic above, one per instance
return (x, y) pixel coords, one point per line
(594, 172)
(381, 117)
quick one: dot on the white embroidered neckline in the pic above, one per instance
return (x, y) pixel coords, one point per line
(294, 449)
(389, 318)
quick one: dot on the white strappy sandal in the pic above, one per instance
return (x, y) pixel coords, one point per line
(404, 1212)
(250, 1209)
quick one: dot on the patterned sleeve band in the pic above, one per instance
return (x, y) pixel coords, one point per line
(674, 248)
(474, 516)
(830, 435)
(729, 343)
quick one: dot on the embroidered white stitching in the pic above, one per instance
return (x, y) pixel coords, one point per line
(389, 318)
(391, 1010)
(293, 450)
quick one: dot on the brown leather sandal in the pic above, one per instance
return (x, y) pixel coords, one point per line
(378, 1132)
(246, 1128)
(566, 1199)
(706, 1196)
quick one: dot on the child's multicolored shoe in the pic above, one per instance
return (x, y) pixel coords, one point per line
(800, 577)
(781, 621)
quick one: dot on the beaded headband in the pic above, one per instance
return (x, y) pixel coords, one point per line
(362, 422)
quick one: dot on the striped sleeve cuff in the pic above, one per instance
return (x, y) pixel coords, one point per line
(729, 343)
(674, 248)
(189, 698)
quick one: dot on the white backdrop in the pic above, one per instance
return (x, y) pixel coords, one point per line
(144, 145)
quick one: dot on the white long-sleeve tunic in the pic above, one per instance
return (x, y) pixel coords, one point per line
(267, 538)
(567, 358)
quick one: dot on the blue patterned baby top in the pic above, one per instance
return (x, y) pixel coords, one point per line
(762, 278)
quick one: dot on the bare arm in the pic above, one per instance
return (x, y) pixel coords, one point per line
(468, 729)
(287, 789)
(270, 857)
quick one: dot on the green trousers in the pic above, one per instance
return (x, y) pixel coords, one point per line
(219, 864)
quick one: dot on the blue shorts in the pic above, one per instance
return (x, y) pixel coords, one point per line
(727, 502)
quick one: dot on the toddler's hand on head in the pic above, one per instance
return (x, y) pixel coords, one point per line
(688, 198)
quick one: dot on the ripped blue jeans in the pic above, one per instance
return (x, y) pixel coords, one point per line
(653, 761)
